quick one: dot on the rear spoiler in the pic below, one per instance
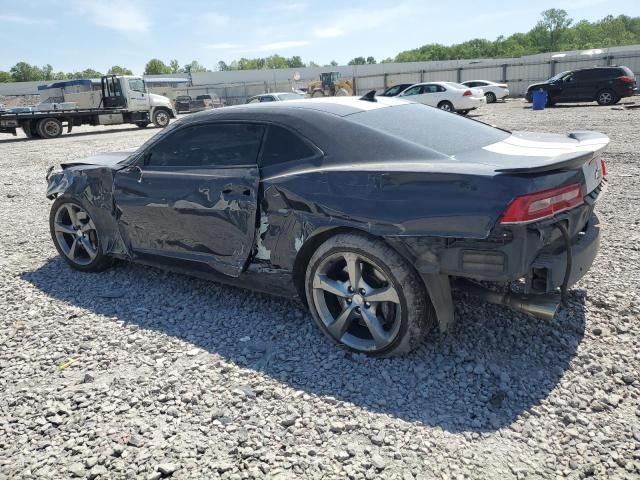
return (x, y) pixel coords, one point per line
(590, 145)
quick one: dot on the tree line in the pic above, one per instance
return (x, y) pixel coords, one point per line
(555, 31)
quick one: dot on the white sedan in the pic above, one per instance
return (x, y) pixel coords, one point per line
(492, 91)
(447, 96)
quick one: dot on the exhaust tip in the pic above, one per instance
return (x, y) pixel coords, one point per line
(544, 307)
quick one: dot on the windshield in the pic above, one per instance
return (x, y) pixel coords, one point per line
(391, 91)
(431, 128)
(289, 96)
(558, 76)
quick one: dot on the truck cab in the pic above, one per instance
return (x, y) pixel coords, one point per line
(130, 93)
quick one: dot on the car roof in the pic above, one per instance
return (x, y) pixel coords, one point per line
(339, 106)
(274, 93)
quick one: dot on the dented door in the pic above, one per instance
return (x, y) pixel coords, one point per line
(203, 212)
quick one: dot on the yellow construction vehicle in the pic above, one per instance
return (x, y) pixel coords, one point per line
(330, 85)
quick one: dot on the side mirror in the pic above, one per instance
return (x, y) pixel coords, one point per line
(135, 168)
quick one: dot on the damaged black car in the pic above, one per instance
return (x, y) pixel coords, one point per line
(367, 210)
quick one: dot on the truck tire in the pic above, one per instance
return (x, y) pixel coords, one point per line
(389, 300)
(49, 128)
(161, 118)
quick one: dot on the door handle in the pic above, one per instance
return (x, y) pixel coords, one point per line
(229, 190)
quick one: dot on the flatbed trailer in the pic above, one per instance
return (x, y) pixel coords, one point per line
(123, 100)
(50, 124)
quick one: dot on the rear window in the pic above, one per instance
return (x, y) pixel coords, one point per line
(429, 127)
(626, 71)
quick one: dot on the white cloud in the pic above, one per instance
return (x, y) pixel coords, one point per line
(120, 15)
(213, 20)
(353, 21)
(25, 20)
(277, 46)
(223, 46)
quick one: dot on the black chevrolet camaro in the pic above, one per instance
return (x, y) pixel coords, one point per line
(367, 209)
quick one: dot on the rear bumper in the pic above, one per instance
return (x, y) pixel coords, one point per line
(469, 103)
(548, 268)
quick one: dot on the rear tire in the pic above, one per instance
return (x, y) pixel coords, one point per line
(49, 128)
(384, 312)
(491, 97)
(606, 97)
(446, 106)
(161, 118)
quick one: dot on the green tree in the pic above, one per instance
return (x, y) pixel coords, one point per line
(222, 66)
(155, 66)
(295, 62)
(333, 63)
(371, 60)
(24, 72)
(194, 67)
(175, 66)
(357, 61)
(554, 23)
(118, 70)
(5, 77)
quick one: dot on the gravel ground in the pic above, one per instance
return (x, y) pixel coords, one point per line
(137, 373)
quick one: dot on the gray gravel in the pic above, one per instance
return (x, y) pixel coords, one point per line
(137, 373)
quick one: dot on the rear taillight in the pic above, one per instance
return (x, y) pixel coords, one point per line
(604, 168)
(545, 204)
(627, 79)
(467, 93)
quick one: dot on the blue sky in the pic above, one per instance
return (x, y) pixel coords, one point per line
(78, 34)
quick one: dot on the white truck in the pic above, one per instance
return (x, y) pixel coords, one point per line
(119, 99)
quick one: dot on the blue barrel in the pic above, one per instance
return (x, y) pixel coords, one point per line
(539, 99)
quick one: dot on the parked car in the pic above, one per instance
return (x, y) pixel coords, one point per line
(274, 97)
(364, 209)
(605, 85)
(186, 104)
(210, 101)
(183, 103)
(447, 96)
(492, 91)
(3, 108)
(395, 90)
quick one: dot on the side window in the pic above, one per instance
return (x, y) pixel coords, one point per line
(413, 90)
(137, 85)
(267, 98)
(440, 88)
(281, 145)
(208, 145)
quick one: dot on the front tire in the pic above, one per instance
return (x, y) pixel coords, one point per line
(76, 236)
(364, 296)
(446, 106)
(161, 118)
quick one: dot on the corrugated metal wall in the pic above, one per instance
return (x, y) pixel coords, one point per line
(236, 86)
